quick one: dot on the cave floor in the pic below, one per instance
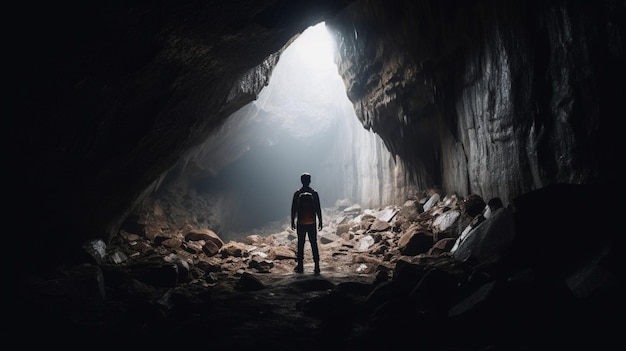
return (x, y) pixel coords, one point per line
(281, 313)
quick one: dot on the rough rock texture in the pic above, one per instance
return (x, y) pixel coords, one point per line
(487, 97)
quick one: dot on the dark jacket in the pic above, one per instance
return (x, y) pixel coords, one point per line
(294, 205)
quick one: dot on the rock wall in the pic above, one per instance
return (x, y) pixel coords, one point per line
(373, 176)
(488, 97)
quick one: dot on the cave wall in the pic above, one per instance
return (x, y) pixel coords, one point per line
(494, 98)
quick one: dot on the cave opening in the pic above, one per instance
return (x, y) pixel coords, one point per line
(302, 121)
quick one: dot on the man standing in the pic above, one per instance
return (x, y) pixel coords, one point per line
(304, 209)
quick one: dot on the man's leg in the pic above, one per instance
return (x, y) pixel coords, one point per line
(314, 248)
(300, 253)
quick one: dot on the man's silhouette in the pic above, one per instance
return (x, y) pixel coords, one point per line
(305, 207)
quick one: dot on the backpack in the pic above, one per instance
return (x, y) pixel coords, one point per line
(306, 208)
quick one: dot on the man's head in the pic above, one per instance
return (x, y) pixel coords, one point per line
(305, 178)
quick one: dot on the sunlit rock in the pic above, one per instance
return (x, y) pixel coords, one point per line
(365, 243)
(432, 201)
(445, 221)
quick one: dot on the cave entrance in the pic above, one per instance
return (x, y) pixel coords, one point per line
(301, 122)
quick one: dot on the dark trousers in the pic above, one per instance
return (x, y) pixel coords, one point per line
(311, 230)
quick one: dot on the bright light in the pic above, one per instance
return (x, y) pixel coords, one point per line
(305, 86)
(315, 47)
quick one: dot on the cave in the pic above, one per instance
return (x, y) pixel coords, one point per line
(136, 130)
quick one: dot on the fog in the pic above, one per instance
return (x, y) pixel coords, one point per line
(301, 122)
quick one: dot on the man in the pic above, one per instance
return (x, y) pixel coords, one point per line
(305, 207)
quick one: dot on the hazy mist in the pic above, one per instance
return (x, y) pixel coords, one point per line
(301, 122)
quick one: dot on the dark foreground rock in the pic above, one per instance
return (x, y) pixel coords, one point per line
(557, 286)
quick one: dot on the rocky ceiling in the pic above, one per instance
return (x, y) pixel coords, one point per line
(490, 97)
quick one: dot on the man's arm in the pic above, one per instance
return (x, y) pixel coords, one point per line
(318, 210)
(294, 210)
